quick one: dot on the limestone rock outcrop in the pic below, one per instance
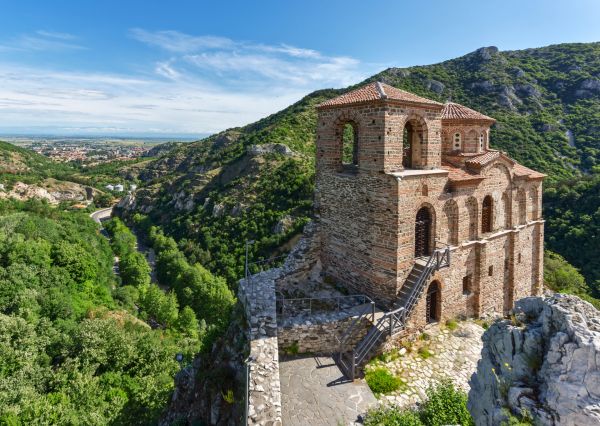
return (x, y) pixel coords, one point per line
(543, 364)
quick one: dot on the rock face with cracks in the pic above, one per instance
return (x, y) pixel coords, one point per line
(543, 364)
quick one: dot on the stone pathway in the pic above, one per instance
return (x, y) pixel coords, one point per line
(454, 355)
(312, 394)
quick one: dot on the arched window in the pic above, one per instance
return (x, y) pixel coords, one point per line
(481, 142)
(457, 141)
(487, 214)
(433, 303)
(408, 146)
(350, 144)
(423, 232)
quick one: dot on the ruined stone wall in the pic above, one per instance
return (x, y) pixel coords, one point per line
(319, 334)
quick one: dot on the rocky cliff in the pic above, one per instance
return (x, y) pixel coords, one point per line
(543, 365)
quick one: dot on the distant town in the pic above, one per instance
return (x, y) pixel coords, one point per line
(88, 150)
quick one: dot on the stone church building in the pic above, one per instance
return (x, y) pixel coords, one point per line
(400, 177)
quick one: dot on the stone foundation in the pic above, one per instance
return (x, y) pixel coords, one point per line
(320, 335)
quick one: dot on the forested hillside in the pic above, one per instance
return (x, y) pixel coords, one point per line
(81, 345)
(214, 194)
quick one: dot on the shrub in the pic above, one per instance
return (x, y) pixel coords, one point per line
(445, 406)
(381, 381)
(393, 417)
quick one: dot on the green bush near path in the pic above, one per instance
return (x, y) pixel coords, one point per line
(382, 381)
(445, 406)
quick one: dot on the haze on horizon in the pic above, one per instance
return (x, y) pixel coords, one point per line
(190, 68)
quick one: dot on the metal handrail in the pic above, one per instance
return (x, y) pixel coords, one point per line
(364, 299)
(395, 319)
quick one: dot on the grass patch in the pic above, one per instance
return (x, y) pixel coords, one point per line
(293, 349)
(452, 324)
(424, 352)
(424, 337)
(382, 381)
(390, 356)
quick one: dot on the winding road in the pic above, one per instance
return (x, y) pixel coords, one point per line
(104, 214)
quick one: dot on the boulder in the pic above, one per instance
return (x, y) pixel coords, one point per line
(543, 363)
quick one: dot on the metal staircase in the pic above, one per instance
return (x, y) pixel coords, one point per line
(393, 321)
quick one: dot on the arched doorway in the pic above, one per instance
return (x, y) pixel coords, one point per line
(423, 232)
(432, 312)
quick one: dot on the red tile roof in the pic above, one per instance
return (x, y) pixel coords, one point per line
(377, 91)
(483, 159)
(457, 174)
(453, 111)
(522, 171)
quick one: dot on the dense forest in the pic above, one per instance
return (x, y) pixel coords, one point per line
(77, 346)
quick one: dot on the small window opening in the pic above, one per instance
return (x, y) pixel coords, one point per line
(481, 138)
(491, 270)
(457, 140)
(350, 145)
(519, 257)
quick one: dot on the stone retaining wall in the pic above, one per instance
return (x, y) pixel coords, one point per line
(264, 396)
(320, 334)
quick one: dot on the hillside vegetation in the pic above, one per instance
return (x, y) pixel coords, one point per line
(214, 194)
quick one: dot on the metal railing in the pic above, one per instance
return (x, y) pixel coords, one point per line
(311, 305)
(391, 322)
(440, 258)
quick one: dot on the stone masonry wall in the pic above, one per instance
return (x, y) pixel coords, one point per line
(264, 399)
(319, 335)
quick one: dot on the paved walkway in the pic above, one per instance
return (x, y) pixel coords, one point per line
(314, 392)
(452, 354)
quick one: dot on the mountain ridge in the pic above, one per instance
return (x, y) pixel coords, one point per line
(213, 194)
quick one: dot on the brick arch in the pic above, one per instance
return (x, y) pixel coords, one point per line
(532, 204)
(503, 169)
(451, 215)
(522, 207)
(505, 211)
(471, 142)
(472, 206)
(414, 155)
(433, 301)
(430, 232)
(354, 119)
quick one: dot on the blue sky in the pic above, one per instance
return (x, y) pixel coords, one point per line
(169, 68)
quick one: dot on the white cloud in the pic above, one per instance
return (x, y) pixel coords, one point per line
(177, 42)
(205, 84)
(41, 41)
